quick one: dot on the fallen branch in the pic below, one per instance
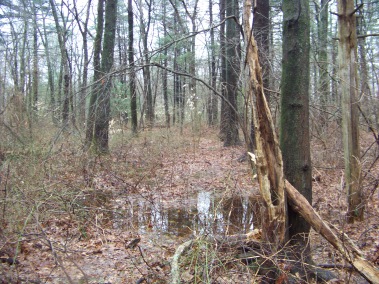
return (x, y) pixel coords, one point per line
(343, 244)
(270, 169)
(175, 265)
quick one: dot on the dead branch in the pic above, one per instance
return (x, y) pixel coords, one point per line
(343, 244)
(175, 263)
(270, 170)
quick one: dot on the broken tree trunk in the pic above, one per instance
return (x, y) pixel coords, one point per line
(270, 173)
(343, 244)
(269, 158)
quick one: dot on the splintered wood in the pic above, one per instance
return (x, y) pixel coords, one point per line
(269, 158)
(270, 173)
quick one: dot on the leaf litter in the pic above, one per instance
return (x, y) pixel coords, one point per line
(117, 218)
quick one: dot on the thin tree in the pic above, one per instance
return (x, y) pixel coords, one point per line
(50, 74)
(97, 74)
(223, 117)
(132, 76)
(66, 76)
(83, 28)
(145, 28)
(347, 58)
(192, 92)
(164, 72)
(323, 63)
(35, 79)
(212, 102)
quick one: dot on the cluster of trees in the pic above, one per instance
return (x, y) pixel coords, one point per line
(58, 55)
(86, 63)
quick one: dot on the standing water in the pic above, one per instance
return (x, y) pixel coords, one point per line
(204, 214)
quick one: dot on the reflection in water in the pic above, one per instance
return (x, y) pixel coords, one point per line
(206, 214)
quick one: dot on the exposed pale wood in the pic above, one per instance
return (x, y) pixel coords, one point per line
(175, 263)
(343, 244)
(269, 157)
(270, 172)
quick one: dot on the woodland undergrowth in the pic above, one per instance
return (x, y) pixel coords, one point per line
(69, 216)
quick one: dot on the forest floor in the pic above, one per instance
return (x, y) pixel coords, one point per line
(70, 217)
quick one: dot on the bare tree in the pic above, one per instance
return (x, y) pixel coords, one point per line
(97, 74)
(61, 33)
(212, 102)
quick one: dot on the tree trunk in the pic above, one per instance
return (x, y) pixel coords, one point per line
(101, 132)
(64, 62)
(22, 83)
(347, 58)
(192, 92)
(132, 76)
(323, 62)
(223, 114)
(97, 75)
(164, 73)
(50, 75)
(261, 30)
(294, 120)
(212, 102)
(233, 54)
(83, 86)
(35, 79)
(146, 69)
(268, 155)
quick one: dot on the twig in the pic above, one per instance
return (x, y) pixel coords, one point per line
(5, 194)
(18, 138)
(58, 262)
(143, 258)
(336, 265)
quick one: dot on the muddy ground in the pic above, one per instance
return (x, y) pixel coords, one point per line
(69, 217)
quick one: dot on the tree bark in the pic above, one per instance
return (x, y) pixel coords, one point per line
(268, 155)
(347, 58)
(146, 69)
(132, 83)
(164, 73)
(212, 102)
(66, 76)
(294, 120)
(34, 95)
(323, 62)
(50, 75)
(97, 75)
(101, 132)
(233, 54)
(83, 87)
(223, 116)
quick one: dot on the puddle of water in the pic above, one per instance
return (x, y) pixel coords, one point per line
(205, 214)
